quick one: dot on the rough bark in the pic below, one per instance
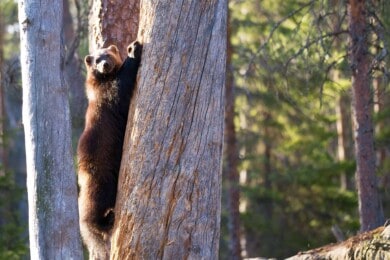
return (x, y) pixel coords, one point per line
(371, 213)
(113, 22)
(231, 161)
(51, 182)
(168, 202)
(370, 245)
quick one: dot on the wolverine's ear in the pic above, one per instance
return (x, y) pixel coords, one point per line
(88, 60)
(113, 48)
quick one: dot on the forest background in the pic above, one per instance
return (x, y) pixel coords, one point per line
(292, 119)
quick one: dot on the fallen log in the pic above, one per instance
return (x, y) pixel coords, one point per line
(374, 244)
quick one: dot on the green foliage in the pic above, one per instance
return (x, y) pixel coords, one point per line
(9, 13)
(291, 69)
(13, 238)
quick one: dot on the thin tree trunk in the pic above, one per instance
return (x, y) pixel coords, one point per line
(51, 182)
(267, 204)
(168, 202)
(73, 74)
(231, 162)
(111, 22)
(382, 103)
(343, 105)
(344, 133)
(3, 154)
(371, 213)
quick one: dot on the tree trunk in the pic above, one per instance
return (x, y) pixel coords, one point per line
(73, 74)
(168, 202)
(371, 213)
(51, 182)
(3, 154)
(231, 161)
(382, 103)
(344, 134)
(113, 22)
(267, 203)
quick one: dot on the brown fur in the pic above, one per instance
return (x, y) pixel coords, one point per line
(109, 86)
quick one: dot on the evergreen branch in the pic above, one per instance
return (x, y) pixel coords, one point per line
(379, 29)
(274, 28)
(312, 42)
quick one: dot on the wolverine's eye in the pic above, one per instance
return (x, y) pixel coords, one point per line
(102, 58)
(88, 59)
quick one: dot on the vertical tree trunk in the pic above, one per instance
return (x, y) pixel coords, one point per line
(3, 154)
(73, 74)
(51, 182)
(382, 103)
(168, 202)
(113, 22)
(344, 133)
(231, 161)
(371, 213)
(267, 203)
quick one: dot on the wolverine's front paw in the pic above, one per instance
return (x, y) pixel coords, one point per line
(134, 50)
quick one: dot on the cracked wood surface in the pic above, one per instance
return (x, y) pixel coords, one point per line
(168, 204)
(374, 244)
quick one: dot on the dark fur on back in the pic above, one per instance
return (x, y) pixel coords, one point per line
(109, 88)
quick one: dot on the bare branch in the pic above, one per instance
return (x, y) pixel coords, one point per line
(312, 42)
(274, 28)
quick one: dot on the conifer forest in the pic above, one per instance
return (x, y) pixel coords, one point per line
(283, 150)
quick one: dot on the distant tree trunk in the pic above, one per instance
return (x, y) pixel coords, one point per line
(343, 105)
(51, 182)
(267, 203)
(344, 133)
(371, 213)
(3, 155)
(73, 73)
(382, 103)
(113, 22)
(231, 161)
(168, 202)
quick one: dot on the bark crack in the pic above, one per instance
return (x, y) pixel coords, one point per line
(168, 218)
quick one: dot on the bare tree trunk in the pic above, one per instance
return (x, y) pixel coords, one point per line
(113, 22)
(73, 77)
(371, 213)
(3, 154)
(382, 103)
(51, 182)
(344, 133)
(343, 105)
(231, 162)
(267, 203)
(168, 202)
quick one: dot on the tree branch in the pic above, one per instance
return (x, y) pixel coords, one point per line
(312, 42)
(274, 28)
